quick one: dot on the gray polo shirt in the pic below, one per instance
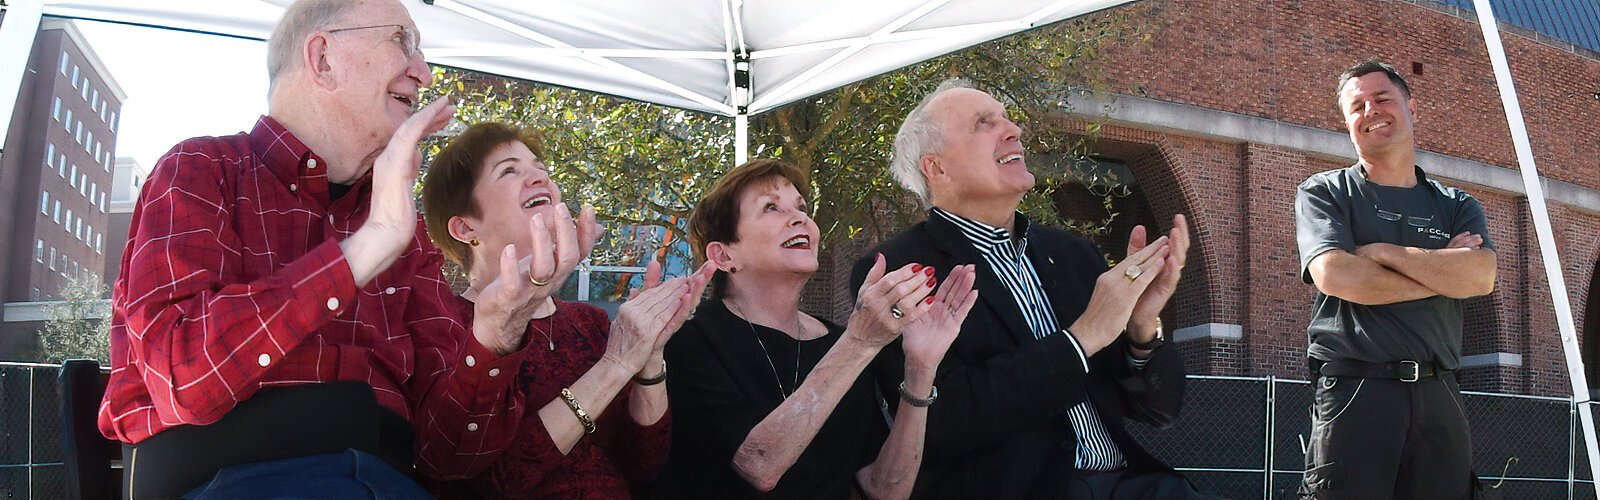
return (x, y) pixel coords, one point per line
(1341, 210)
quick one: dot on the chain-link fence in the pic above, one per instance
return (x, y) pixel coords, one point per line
(1524, 447)
(30, 433)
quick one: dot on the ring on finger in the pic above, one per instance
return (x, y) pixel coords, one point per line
(537, 281)
(895, 311)
(1133, 273)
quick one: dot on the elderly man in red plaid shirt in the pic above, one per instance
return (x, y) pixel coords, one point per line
(282, 319)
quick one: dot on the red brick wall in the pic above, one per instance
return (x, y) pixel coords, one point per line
(1279, 60)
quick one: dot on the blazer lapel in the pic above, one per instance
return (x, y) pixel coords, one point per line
(991, 291)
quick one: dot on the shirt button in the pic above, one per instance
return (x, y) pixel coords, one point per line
(294, 187)
(494, 372)
(472, 426)
(389, 291)
(471, 361)
(264, 359)
(333, 303)
(311, 163)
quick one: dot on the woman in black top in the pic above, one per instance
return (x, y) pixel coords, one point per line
(770, 402)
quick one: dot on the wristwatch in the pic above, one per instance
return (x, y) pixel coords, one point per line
(915, 401)
(1161, 338)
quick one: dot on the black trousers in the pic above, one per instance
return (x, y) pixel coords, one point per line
(1379, 438)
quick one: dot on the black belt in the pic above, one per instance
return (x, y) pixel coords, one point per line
(274, 424)
(1404, 371)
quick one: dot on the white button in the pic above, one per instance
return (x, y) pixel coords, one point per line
(471, 361)
(330, 218)
(264, 359)
(472, 426)
(311, 163)
(494, 372)
(389, 291)
(333, 303)
(294, 187)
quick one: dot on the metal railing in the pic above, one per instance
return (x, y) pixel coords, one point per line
(1240, 437)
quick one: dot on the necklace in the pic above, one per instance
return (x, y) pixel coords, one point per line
(799, 332)
(547, 337)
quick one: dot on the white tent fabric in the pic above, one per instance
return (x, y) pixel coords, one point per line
(677, 53)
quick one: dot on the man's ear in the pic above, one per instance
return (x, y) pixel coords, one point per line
(461, 230)
(1411, 102)
(721, 256)
(314, 60)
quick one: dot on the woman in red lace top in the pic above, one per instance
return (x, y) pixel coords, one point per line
(602, 425)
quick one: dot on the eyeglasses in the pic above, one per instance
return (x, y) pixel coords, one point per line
(409, 44)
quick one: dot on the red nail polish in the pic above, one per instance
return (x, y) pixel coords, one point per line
(928, 270)
(928, 301)
(916, 267)
(932, 282)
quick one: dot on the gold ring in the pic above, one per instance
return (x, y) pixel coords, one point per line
(536, 281)
(1133, 273)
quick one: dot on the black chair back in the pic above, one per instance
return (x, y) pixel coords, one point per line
(93, 462)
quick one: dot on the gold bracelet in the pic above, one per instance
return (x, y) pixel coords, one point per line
(577, 411)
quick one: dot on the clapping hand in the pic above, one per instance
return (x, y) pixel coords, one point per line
(887, 302)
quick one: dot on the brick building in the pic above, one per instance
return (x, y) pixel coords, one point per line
(55, 179)
(1232, 104)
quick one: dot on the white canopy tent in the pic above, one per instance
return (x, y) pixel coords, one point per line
(729, 57)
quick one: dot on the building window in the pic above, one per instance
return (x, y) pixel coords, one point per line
(35, 297)
(85, 88)
(77, 229)
(38, 251)
(68, 225)
(63, 63)
(74, 76)
(77, 132)
(44, 202)
(98, 244)
(52, 258)
(55, 109)
(61, 166)
(94, 102)
(74, 177)
(67, 123)
(88, 140)
(102, 202)
(113, 121)
(56, 212)
(83, 186)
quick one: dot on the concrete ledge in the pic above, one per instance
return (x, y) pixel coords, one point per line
(1214, 331)
(1195, 121)
(1491, 359)
(40, 311)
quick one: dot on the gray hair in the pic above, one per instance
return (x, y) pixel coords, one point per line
(920, 135)
(299, 21)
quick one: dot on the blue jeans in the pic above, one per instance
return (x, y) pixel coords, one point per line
(349, 474)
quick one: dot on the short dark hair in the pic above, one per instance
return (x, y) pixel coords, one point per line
(447, 187)
(716, 217)
(1372, 66)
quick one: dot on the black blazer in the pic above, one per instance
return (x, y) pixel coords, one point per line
(999, 428)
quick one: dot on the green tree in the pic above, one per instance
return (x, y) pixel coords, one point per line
(646, 165)
(78, 326)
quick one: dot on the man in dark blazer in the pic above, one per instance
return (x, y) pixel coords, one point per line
(1031, 398)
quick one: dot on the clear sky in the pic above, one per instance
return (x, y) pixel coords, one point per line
(179, 85)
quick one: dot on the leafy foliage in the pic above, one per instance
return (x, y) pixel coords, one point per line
(78, 326)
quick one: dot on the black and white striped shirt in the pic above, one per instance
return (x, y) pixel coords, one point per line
(1008, 258)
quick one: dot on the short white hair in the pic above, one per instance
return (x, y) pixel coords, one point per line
(299, 21)
(920, 135)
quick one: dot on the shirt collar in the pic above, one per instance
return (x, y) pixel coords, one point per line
(984, 235)
(294, 164)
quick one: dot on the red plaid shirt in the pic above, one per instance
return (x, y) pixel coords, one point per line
(233, 280)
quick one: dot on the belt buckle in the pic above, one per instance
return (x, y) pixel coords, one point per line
(1416, 371)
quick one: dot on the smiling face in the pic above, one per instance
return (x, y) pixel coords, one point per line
(513, 186)
(775, 230)
(375, 70)
(1378, 114)
(982, 153)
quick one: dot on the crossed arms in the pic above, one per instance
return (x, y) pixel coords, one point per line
(1384, 273)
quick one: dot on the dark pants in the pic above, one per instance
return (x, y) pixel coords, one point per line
(1124, 485)
(1377, 438)
(351, 475)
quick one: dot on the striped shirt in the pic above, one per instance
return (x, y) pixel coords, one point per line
(1008, 258)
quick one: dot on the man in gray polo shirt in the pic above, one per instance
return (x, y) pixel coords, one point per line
(1392, 254)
